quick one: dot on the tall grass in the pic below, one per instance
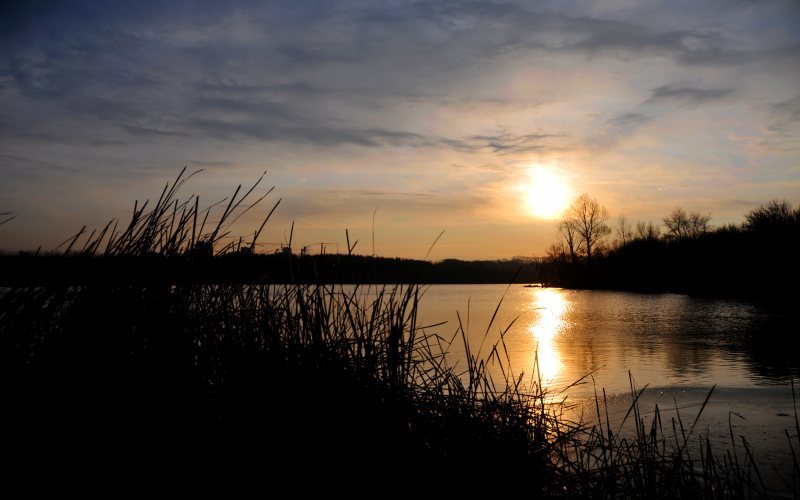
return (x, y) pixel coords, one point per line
(260, 381)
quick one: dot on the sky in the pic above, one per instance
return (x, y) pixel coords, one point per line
(397, 119)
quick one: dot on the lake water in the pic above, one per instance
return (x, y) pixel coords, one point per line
(676, 345)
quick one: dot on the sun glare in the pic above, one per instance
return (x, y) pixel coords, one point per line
(547, 195)
(550, 307)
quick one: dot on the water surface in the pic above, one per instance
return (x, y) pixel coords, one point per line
(663, 340)
(677, 346)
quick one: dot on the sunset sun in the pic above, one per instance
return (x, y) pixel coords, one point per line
(547, 195)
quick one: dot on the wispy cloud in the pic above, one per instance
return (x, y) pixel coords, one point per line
(629, 119)
(687, 96)
(787, 115)
(211, 163)
(502, 142)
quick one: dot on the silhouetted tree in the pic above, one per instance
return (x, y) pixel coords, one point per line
(568, 229)
(589, 218)
(624, 230)
(755, 259)
(647, 231)
(682, 224)
(557, 252)
(775, 215)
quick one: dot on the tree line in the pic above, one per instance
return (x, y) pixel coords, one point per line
(682, 252)
(33, 269)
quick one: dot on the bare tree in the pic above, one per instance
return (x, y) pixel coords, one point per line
(776, 214)
(624, 230)
(568, 230)
(647, 231)
(589, 219)
(682, 224)
(557, 252)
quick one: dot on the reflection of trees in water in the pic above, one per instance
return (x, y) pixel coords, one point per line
(766, 339)
(692, 358)
(773, 349)
(582, 332)
(587, 358)
(690, 335)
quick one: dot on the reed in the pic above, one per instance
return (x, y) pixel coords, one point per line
(257, 381)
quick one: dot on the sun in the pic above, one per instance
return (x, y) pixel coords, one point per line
(547, 195)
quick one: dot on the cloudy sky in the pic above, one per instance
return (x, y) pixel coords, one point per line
(430, 116)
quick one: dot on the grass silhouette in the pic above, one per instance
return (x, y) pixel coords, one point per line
(257, 383)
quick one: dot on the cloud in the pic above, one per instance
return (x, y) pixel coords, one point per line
(629, 119)
(355, 204)
(312, 75)
(151, 131)
(299, 55)
(229, 85)
(721, 55)
(245, 106)
(389, 95)
(502, 143)
(787, 115)
(320, 135)
(687, 96)
(597, 36)
(211, 163)
(22, 164)
(393, 193)
(783, 129)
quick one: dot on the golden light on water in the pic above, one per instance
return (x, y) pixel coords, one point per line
(548, 195)
(549, 306)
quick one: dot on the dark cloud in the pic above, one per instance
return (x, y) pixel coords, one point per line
(298, 55)
(502, 142)
(151, 131)
(629, 120)
(783, 130)
(724, 55)
(211, 163)
(304, 71)
(23, 164)
(269, 130)
(685, 46)
(598, 36)
(687, 95)
(106, 142)
(231, 86)
(35, 132)
(488, 29)
(253, 108)
(787, 115)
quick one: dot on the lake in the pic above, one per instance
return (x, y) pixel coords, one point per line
(677, 345)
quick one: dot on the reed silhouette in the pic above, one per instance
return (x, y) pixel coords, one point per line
(199, 381)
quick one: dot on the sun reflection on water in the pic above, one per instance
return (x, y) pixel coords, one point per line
(549, 307)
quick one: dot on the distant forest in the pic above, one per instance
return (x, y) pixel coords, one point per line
(241, 267)
(759, 258)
